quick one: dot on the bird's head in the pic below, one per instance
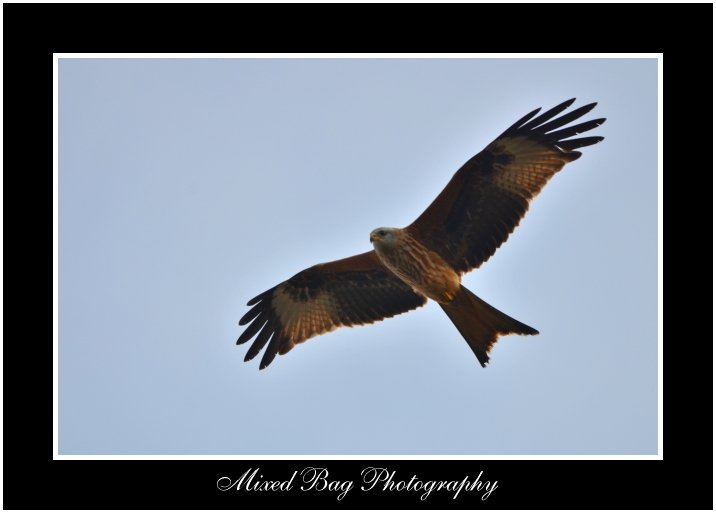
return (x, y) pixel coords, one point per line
(384, 236)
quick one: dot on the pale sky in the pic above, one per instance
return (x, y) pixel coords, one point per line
(188, 186)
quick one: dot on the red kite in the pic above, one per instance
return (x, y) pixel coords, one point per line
(462, 228)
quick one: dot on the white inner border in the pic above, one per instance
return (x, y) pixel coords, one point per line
(55, 266)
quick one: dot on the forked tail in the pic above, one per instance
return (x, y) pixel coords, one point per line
(480, 324)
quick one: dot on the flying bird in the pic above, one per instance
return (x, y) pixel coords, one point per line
(461, 229)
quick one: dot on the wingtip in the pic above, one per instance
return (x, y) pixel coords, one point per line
(248, 317)
(267, 359)
(533, 113)
(588, 107)
(258, 298)
(244, 337)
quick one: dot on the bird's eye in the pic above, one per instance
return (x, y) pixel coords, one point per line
(381, 233)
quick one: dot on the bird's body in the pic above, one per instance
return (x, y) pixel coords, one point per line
(461, 229)
(425, 271)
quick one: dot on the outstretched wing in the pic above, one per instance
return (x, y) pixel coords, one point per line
(354, 290)
(488, 196)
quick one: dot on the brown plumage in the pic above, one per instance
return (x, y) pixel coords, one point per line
(462, 228)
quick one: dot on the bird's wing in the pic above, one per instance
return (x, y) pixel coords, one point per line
(354, 290)
(488, 196)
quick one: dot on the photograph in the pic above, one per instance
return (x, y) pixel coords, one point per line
(355, 257)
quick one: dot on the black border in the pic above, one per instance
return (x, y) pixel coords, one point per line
(32, 32)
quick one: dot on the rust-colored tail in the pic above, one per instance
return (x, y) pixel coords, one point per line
(480, 324)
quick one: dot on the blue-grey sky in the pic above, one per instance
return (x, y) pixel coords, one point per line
(188, 186)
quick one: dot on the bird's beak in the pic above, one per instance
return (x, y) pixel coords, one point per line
(374, 237)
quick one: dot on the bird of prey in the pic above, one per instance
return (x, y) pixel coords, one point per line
(461, 229)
